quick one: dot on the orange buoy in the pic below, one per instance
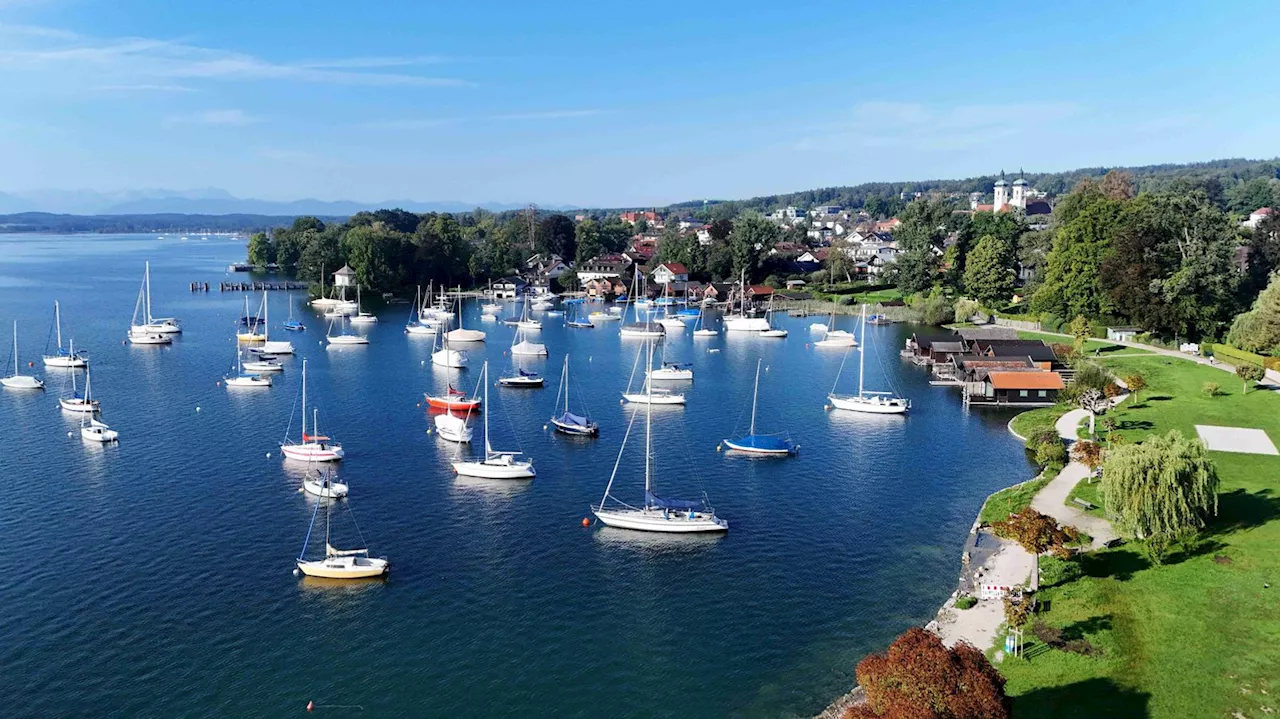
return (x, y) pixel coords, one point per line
(311, 706)
(586, 522)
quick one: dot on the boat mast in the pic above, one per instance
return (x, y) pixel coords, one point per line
(485, 379)
(755, 392)
(15, 349)
(565, 382)
(862, 350)
(648, 429)
(57, 322)
(304, 401)
(146, 281)
(266, 323)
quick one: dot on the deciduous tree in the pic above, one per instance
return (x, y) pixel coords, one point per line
(918, 677)
(1161, 491)
(1249, 373)
(1037, 533)
(988, 273)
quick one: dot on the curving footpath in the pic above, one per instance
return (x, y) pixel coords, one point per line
(1052, 500)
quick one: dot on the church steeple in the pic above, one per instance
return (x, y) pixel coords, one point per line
(1002, 193)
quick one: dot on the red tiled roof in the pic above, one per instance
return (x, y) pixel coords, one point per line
(675, 267)
(761, 290)
(1262, 211)
(1026, 380)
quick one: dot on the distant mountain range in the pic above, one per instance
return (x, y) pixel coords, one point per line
(213, 201)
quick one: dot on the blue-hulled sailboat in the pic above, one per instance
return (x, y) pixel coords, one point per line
(761, 443)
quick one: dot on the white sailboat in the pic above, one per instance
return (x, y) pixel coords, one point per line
(315, 447)
(773, 331)
(640, 329)
(141, 331)
(495, 465)
(344, 337)
(322, 484)
(462, 334)
(20, 381)
(649, 395)
(78, 403)
(245, 379)
(323, 302)
(339, 563)
(415, 325)
(446, 356)
(361, 317)
(253, 323)
(91, 428)
(671, 370)
(656, 514)
(742, 322)
(453, 428)
(64, 357)
(526, 322)
(567, 422)
(522, 347)
(833, 337)
(867, 401)
(700, 328)
(269, 346)
(668, 320)
(151, 324)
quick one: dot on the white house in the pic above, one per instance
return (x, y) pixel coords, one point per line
(704, 237)
(1256, 217)
(603, 267)
(668, 272)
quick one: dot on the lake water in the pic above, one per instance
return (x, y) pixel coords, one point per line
(154, 578)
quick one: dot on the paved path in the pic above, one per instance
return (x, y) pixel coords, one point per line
(1052, 500)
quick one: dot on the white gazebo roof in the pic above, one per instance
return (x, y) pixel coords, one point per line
(346, 271)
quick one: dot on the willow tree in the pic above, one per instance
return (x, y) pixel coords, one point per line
(1161, 491)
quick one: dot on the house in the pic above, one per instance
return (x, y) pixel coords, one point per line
(1123, 334)
(704, 237)
(605, 287)
(604, 267)
(717, 292)
(509, 287)
(786, 249)
(1018, 389)
(1256, 217)
(968, 368)
(786, 213)
(809, 256)
(920, 346)
(992, 333)
(795, 284)
(546, 266)
(632, 218)
(668, 272)
(759, 293)
(821, 234)
(888, 225)
(688, 223)
(825, 211)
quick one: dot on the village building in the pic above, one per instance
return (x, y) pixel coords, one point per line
(604, 267)
(669, 272)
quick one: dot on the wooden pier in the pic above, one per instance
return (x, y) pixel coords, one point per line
(253, 286)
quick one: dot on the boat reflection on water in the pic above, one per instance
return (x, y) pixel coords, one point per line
(492, 487)
(655, 542)
(340, 588)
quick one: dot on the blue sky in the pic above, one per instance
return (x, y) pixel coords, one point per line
(615, 103)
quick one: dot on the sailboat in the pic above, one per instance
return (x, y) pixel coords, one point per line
(649, 395)
(291, 324)
(415, 325)
(490, 307)
(64, 357)
(151, 324)
(141, 331)
(78, 403)
(245, 379)
(462, 334)
(495, 465)
(269, 346)
(344, 337)
(573, 320)
(314, 447)
(567, 422)
(361, 317)
(700, 328)
(866, 400)
(834, 337)
(323, 302)
(656, 514)
(742, 322)
(91, 428)
(638, 328)
(671, 370)
(521, 347)
(253, 322)
(526, 322)
(453, 428)
(761, 443)
(339, 563)
(772, 331)
(322, 484)
(20, 381)
(669, 320)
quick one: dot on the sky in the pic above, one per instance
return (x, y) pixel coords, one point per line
(607, 103)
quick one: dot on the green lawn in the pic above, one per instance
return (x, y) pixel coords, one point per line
(1035, 420)
(1102, 347)
(1090, 492)
(1014, 499)
(1196, 637)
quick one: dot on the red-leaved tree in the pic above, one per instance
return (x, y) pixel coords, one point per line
(920, 678)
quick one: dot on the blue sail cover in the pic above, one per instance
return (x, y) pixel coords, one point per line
(763, 443)
(571, 419)
(654, 500)
(523, 373)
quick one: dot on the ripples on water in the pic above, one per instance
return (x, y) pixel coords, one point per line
(154, 578)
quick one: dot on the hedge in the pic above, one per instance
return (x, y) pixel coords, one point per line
(1236, 356)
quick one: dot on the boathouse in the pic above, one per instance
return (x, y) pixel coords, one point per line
(1016, 389)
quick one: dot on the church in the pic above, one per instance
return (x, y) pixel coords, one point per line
(1017, 195)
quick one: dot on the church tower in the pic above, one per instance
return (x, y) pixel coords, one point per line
(1020, 192)
(1002, 194)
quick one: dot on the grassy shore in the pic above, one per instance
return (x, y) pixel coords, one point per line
(1196, 637)
(1016, 498)
(1101, 347)
(1036, 420)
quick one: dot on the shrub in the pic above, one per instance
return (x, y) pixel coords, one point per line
(1210, 389)
(1017, 610)
(1250, 373)
(1112, 390)
(966, 602)
(1066, 353)
(1091, 375)
(965, 308)
(1051, 453)
(1056, 570)
(936, 310)
(1050, 322)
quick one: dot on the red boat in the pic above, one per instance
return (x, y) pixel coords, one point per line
(453, 400)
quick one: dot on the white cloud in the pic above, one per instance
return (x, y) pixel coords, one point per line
(228, 118)
(147, 61)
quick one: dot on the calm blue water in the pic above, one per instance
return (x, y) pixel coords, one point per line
(153, 578)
